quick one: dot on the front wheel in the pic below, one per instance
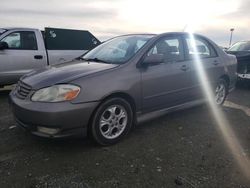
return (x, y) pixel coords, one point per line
(221, 91)
(112, 121)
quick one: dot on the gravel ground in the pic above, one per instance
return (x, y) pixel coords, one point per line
(181, 149)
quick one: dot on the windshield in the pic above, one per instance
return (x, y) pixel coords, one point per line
(2, 31)
(240, 46)
(118, 50)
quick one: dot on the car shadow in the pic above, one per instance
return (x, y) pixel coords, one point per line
(75, 144)
(243, 85)
(4, 95)
(4, 92)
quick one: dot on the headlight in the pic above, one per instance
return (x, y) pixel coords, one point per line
(56, 93)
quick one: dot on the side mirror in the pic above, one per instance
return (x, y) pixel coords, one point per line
(4, 45)
(153, 59)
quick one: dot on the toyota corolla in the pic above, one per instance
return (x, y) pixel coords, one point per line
(120, 82)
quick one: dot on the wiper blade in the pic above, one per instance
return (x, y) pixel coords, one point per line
(95, 60)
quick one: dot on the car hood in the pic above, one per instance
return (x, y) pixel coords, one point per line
(63, 73)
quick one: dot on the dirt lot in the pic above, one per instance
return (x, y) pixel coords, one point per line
(181, 149)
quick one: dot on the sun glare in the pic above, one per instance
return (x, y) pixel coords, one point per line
(164, 15)
(222, 123)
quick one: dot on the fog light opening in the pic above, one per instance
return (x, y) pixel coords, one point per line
(50, 131)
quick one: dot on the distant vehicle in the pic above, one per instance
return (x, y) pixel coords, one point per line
(242, 52)
(24, 49)
(121, 82)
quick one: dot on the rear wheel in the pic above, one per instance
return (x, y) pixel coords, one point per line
(112, 121)
(221, 90)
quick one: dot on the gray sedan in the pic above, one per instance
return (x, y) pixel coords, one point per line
(122, 81)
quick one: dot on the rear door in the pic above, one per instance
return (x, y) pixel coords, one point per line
(64, 45)
(165, 85)
(201, 51)
(21, 57)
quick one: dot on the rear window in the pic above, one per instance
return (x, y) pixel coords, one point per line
(202, 48)
(240, 46)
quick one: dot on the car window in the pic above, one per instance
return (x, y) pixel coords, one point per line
(23, 40)
(200, 47)
(240, 46)
(170, 48)
(139, 44)
(123, 47)
(118, 50)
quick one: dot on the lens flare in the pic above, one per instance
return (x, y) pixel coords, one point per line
(222, 123)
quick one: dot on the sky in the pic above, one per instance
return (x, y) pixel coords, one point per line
(109, 18)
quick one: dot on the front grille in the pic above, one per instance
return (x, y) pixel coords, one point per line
(248, 68)
(22, 90)
(243, 66)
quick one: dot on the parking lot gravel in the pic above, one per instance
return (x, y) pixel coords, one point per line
(180, 149)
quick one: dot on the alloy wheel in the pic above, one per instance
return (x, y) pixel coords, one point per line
(220, 93)
(113, 121)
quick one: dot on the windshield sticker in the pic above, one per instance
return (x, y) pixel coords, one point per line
(52, 34)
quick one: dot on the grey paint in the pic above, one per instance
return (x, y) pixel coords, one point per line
(152, 88)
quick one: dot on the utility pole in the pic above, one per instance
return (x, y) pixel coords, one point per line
(231, 36)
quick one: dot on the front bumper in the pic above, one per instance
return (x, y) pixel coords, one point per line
(244, 76)
(54, 120)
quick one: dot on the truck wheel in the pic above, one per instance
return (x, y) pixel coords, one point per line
(221, 91)
(112, 121)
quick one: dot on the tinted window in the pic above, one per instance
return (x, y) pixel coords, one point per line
(199, 47)
(170, 48)
(23, 40)
(66, 39)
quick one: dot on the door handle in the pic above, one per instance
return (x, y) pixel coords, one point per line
(184, 68)
(38, 57)
(215, 62)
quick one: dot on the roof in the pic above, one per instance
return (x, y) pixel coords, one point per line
(17, 28)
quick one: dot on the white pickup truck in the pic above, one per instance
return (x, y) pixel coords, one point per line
(23, 49)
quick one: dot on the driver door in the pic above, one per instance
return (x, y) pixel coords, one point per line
(165, 84)
(21, 57)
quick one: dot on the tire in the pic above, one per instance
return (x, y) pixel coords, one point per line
(112, 121)
(221, 91)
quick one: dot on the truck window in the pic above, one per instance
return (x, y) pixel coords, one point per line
(21, 40)
(67, 39)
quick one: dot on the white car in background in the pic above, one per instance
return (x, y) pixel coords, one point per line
(23, 49)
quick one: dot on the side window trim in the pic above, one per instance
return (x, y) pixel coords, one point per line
(21, 39)
(208, 44)
(210, 47)
(181, 47)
